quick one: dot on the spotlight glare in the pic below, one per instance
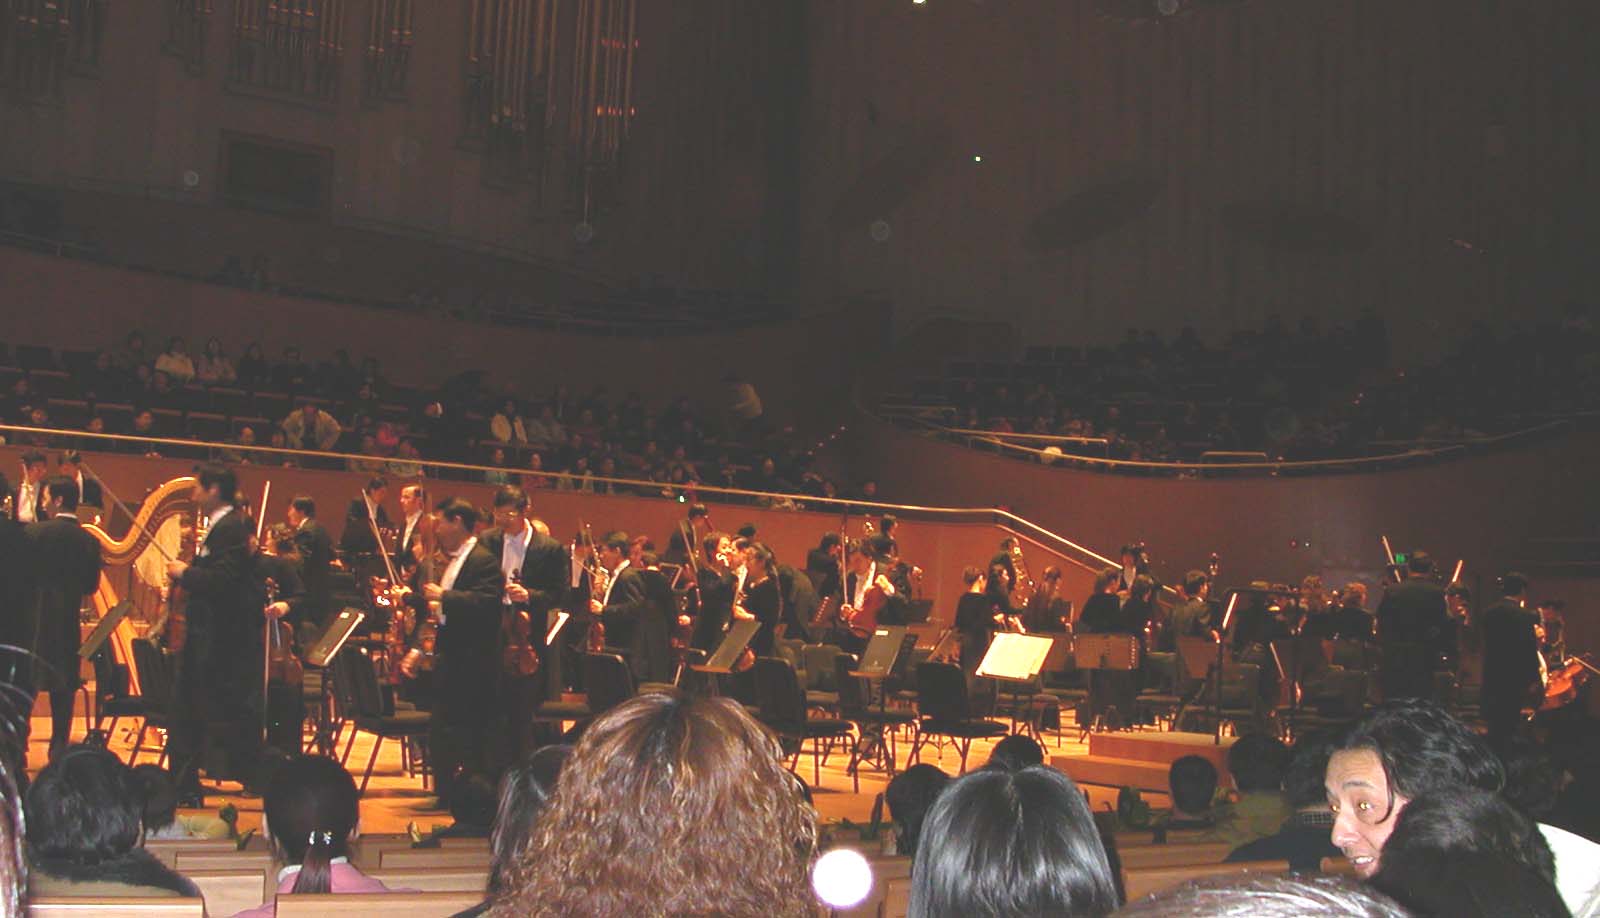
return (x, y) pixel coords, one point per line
(842, 878)
(977, 157)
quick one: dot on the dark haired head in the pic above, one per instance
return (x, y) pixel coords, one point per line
(1420, 562)
(697, 511)
(1423, 749)
(376, 483)
(1257, 762)
(33, 457)
(1011, 843)
(304, 505)
(909, 795)
(747, 531)
(1475, 884)
(1192, 781)
(160, 796)
(460, 511)
(970, 575)
(1469, 819)
(1308, 764)
(1533, 780)
(1016, 751)
(524, 791)
(616, 541)
(84, 809)
(1106, 579)
(212, 475)
(1194, 582)
(1265, 895)
(310, 810)
(510, 496)
(1513, 583)
(829, 540)
(63, 487)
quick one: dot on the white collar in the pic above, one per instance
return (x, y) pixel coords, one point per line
(218, 514)
(293, 869)
(64, 514)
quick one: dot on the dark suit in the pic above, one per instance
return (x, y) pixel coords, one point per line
(1411, 623)
(544, 575)
(38, 503)
(467, 669)
(316, 560)
(357, 537)
(67, 568)
(1510, 665)
(219, 668)
(641, 608)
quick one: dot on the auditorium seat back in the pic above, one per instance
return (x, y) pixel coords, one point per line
(229, 892)
(1143, 881)
(434, 880)
(365, 905)
(108, 907)
(1175, 855)
(433, 858)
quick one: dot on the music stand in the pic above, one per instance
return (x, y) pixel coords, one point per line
(328, 644)
(727, 653)
(1117, 653)
(884, 657)
(1014, 657)
(103, 628)
(882, 652)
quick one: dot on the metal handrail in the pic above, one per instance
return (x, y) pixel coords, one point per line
(997, 515)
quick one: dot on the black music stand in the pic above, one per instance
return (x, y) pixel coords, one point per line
(883, 657)
(322, 650)
(721, 661)
(1115, 653)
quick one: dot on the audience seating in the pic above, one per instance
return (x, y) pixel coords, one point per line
(886, 869)
(1147, 837)
(186, 861)
(1143, 881)
(896, 898)
(1175, 855)
(365, 905)
(110, 907)
(229, 892)
(428, 879)
(433, 858)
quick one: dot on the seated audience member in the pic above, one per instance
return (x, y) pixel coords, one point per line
(1006, 843)
(524, 792)
(85, 830)
(1265, 895)
(1192, 782)
(176, 363)
(1435, 883)
(161, 819)
(1257, 763)
(310, 814)
(1016, 752)
(1400, 750)
(1303, 838)
(1403, 749)
(669, 805)
(1470, 819)
(910, 795)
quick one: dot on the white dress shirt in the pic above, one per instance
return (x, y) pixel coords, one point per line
(27, 501)
(453, 569)
(211, 524)
(512, 554)
(612, 582)
(411, 524)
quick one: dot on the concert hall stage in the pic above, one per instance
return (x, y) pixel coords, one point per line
(1141, 758)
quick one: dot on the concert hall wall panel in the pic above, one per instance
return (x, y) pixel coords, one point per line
(942, 549)
(508, 137)
(1486, 509)
(1430, 159)
(801, 368)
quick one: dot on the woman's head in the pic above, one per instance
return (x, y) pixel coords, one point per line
(310, 810)
(1400, 750)
(85, 808)
(1002, 843)
(669, 805)
(524, 792)
(910, 795)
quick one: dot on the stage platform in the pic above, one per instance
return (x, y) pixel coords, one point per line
(1141, 758)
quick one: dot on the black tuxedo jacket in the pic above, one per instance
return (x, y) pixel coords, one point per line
(357, 536)
(468, 665)
(1412, 612)
(1510, 651)
(66, 569)
(16, 596)
(221, 591)
(316, 560)
(544, 571)
(90, 494)
(642, 609)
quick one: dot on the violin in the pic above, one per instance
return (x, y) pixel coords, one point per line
(283, 665)
(518, 656)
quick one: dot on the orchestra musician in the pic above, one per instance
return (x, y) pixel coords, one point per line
(1511, 670)
(1047, 610)
(357, 539)
(1553, 631)
(1411, 626)
(1191, 617)
(535, 568)
(315, 548)
(466, 601)
(822, 566)
(980, 612)
(277, 562)
(1104, 614)
(1135, 562)
(622, 596)
(761, 598)
(1349, 621)
(413, 506)
(699, 526)
(27, 504)
(718, 585)
(566, 671)
(218, 668)
(67, 569)
(649, 624)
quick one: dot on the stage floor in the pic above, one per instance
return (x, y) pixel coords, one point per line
(393, 800)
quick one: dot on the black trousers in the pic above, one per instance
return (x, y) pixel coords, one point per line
(464, 714)
(216, 717)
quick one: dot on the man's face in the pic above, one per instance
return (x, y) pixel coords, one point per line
(34, 471)
(144, 422)
(451, 533)
(508, 518)
(294, 516)
(378, 496)
(610, 557)
(410, 501)
(1364, 814)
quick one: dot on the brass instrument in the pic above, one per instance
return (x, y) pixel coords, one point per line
(1022, 590)
(599, 583)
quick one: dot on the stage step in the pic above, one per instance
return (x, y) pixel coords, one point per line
(1109, 771)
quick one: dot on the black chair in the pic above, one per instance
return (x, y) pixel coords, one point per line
(111, 698)
(155, 694)
(875, 726)
(946, 709)
(356, 689)
(608, 681)
(783, 708)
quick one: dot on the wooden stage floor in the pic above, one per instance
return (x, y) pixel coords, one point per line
(393, 799)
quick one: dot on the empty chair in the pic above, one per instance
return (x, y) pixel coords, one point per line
(361, 698)
(607, 681)
(783, 708)
(947, 710)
